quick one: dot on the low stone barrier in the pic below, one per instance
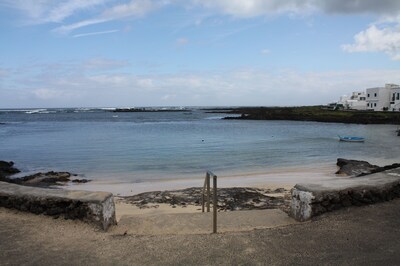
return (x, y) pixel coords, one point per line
(309, 200)
(93, 207)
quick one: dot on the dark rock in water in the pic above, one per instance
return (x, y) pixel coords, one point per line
(7, 168)
(45, 179)
(356, 168)
(80, 180)
(48, 179)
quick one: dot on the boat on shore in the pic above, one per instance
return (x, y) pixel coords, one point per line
(351, 139)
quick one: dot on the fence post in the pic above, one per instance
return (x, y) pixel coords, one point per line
(208, 192)
(215, 204)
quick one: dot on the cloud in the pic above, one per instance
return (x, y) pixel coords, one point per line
(377, 39)
(101, 63)
(50, 94)
(4, 72)
(265, 51)
(68, 8)
(94, 33)
(252, 8)
(381, 7)
(44, 11)
(74, 84)
(70, 27)
(182, 41)
(134, 8)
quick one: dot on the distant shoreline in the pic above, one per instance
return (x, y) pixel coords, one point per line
(310, 113)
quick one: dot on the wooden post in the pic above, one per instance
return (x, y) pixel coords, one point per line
(202, 202)
(208, 192)
(203, 194)
(215, 204)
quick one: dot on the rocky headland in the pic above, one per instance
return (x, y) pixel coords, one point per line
(310, 113)
(148, 110)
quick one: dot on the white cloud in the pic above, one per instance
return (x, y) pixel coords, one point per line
(94, 33)
(134, 8)
(44, 11)
(70, 27)
(76, 83)
(252, 8)
(68, 8)
(101, 63)
(377, 39)
(50, 94)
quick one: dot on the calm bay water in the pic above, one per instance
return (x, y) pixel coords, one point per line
(100, 144)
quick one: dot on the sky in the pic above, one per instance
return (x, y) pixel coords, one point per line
(127, 53)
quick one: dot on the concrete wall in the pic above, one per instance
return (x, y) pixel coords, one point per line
(309, 200)
(93, 207)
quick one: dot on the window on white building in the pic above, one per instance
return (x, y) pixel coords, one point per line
(374, 104)
(368, 95)
(398, 96)
(375, 94)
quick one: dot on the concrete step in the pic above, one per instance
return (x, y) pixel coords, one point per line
(201, 223)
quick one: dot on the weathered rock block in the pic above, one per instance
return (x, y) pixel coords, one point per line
(93, 207)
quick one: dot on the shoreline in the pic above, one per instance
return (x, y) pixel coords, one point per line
(282, 177)
(275, 184)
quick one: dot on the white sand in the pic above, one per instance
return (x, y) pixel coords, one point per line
(276, 178)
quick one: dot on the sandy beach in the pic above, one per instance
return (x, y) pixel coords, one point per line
(277, 178)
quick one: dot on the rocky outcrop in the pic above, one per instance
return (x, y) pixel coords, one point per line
(7, 169)
(229, 199)
(44, 179)
(355, 168)
(48, 179)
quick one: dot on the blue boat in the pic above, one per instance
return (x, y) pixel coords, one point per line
(351, 139)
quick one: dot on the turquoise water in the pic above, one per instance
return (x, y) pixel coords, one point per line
(136, 147)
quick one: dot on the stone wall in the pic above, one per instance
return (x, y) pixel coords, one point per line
(93, 207)
(309, 200)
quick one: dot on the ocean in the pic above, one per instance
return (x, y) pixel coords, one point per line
(98, 144)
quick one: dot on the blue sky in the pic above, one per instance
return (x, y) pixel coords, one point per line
(103, 53)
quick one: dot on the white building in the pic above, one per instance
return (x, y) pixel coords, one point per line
(395, 99)
(357, 101)
(379, 99)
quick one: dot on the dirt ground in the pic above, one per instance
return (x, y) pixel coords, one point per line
(366, 235)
